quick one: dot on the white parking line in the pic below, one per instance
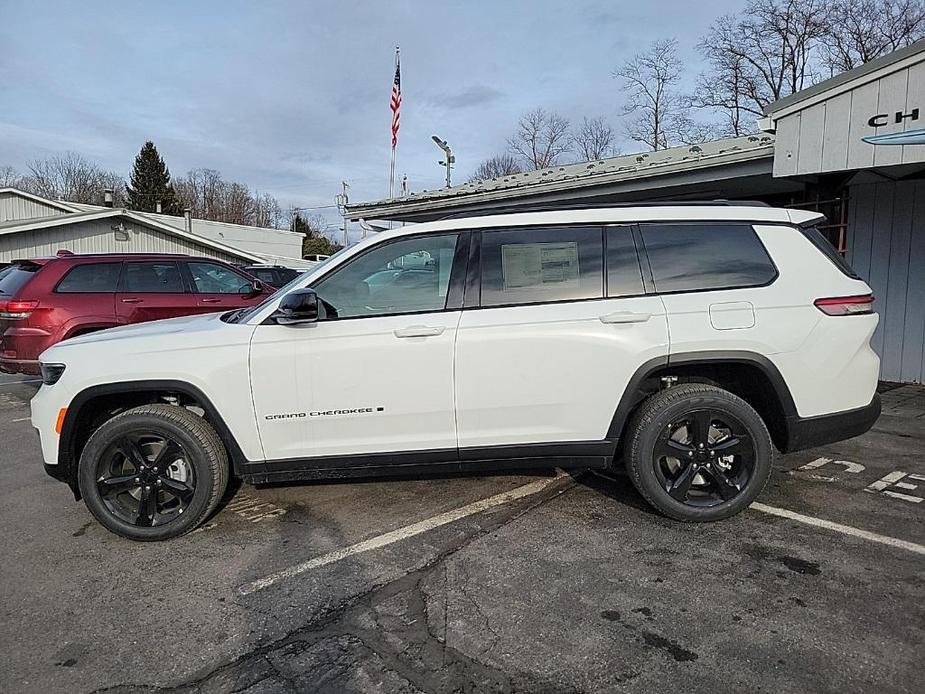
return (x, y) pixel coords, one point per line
(400, 534)
(839, 528)
(21, 419)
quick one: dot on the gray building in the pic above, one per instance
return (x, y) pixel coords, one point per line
(32, 226)
(852, 147)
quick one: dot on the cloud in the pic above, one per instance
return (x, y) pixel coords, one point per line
(470, 97)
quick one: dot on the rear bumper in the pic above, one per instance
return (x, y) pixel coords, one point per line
(808, 432)
(20, 366)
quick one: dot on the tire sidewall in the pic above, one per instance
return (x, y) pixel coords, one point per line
(121, 426)
(644, 464)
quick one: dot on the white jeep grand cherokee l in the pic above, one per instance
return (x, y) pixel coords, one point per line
(684, 342)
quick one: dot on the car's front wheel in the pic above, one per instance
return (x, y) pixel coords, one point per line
(698, 453)
(153, 472)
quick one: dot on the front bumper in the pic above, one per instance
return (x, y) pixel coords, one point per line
(809, 432)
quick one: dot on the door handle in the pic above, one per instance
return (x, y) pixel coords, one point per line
(131, 301)
(209, 300)
(625, 317)
(419, 331)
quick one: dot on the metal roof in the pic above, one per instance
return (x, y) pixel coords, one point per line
(870, 71)
(625, 168)
(60, 204)
(39, 223)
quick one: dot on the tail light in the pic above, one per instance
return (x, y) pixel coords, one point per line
(846, 305)
(17, 309)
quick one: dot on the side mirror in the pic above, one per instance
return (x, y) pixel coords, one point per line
(299, 306)
(256, 288)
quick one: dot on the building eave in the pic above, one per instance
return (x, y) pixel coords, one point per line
(63, 206)
(460, 196)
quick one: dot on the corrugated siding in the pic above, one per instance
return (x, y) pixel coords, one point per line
(98, 236)
(13, 207)
(827, 136)
(886, 246)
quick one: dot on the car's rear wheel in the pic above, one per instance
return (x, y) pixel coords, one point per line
(153, 472)
(698, 453)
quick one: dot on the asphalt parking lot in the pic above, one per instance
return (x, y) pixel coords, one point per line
(506, 583)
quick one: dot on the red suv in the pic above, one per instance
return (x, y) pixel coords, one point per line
(46, 300)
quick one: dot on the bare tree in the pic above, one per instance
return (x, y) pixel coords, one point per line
(9, 177)
(70, 177)
(541, 138)
(595, 139)
(861, 30)
(723, 90)
(653, 101)
(497, 166)
(209, 196)
(767, 52)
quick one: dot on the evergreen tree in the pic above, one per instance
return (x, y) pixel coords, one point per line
(150, 182)
(314, 242)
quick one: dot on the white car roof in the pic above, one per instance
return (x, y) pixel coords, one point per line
(613, 215)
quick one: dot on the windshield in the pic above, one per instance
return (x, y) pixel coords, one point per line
(244, 314)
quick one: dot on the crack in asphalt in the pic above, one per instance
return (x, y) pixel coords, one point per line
(360, 637)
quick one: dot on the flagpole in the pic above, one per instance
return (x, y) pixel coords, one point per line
(392, 175)
(392, 158)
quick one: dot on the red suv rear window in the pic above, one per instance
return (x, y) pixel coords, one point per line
(14, 277)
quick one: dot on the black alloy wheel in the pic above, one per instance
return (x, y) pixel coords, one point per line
(153, 472)
(697, 452)
(145, 480)
(704, 459)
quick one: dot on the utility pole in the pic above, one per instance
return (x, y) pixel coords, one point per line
(341, 200)
(448, 156)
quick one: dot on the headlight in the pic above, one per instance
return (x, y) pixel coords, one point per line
(51, 373)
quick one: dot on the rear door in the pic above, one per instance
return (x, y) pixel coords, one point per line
(152, 290)
(219, 288)
(714, 278)
(562, 322)
(85, 298)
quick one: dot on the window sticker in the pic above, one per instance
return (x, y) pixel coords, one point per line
(537, 264)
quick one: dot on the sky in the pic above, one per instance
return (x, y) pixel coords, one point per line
(292, 98)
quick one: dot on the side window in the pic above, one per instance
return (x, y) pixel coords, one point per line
(90, 278)
(692, 257)
(624, 278)
(406, 276)
(152, 278)
(529, 266)
(209, 278)
(265, 275)
(285, 275)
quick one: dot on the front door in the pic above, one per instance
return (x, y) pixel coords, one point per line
(374, 375)
(219, 288)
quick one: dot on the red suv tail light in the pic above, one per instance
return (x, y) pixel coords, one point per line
(846, 305)
(17, 309)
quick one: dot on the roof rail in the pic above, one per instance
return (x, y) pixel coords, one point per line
(590, 205)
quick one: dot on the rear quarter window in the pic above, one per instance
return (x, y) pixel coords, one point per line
(93, 278)
(822, 244)
(700, 257)
(14, 277)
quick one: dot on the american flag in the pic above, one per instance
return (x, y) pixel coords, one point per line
(396, 100)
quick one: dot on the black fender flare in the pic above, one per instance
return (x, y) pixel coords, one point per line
(634, 393)
(66, 469)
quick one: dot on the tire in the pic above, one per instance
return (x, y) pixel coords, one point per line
(689, 482)
(172, 453)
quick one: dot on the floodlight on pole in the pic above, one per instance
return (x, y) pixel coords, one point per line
(450, 159)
